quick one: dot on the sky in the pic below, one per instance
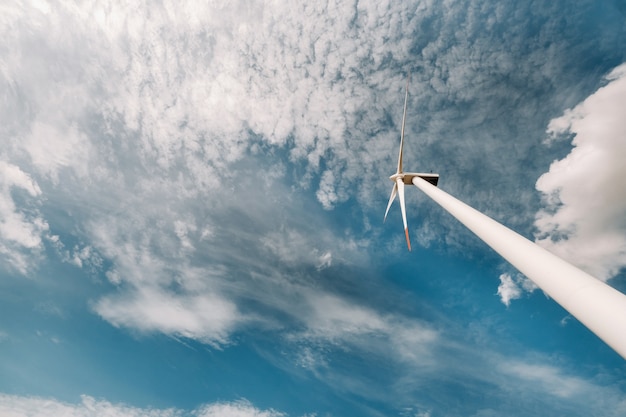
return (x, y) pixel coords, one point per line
(192, 196)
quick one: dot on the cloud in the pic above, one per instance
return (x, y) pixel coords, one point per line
(294, 249)
(235, 409)
(192, 268)
(176, 144)
(156, 289)
(575, 393)
(333, 317)
(108, 96)
(336, 321)
(20, 406)
(548, 378)
(205, 317)
(493, 384)
(512, 287)
(508, 289)
(21, 225)
(584, 196)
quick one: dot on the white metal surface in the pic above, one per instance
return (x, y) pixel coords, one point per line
(597, 305)
(399, 177)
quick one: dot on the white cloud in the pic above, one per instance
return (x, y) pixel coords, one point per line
(190, 273)
(22, 406)
(133, 120)
(333, 317)
(327, 194)
(294, 248)
(343, 323)
(508, 290)
(206, 317)
(180, 86)
(512, 287)
(51, 149)
(548, 378)
(110, 100)
(15, 227)
(584, 193)
(21, 226)
(235, 409)
(156, 288)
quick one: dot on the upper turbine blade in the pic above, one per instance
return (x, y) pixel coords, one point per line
(406, 99)
(394, 191)
(400, 184)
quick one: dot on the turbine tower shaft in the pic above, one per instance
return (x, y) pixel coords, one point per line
(597, 305)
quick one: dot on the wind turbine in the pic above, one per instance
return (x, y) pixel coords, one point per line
(400, 178)
(600, 307)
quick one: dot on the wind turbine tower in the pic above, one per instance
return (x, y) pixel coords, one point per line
(600, 307)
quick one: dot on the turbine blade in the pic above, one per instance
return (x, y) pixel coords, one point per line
(406, 99)
(400, 184)
(394, 191)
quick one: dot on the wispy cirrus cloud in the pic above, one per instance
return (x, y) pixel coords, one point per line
(206, 261)
(337, 321)
(571, 391)
(550, 378)
(22, 406)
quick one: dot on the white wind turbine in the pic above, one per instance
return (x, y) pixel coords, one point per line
(597, 305)
(400, 178)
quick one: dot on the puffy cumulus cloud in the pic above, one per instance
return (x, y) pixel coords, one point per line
(512, 287)
(22, 227)
(205, 317)
(585, 199)
(19, 406)
(508, 289)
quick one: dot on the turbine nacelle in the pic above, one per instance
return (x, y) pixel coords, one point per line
(407, 177)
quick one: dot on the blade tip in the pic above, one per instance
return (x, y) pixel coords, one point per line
(408, 241)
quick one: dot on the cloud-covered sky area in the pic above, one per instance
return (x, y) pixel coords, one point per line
(191, 203)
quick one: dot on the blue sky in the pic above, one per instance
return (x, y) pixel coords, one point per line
(191, 203)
